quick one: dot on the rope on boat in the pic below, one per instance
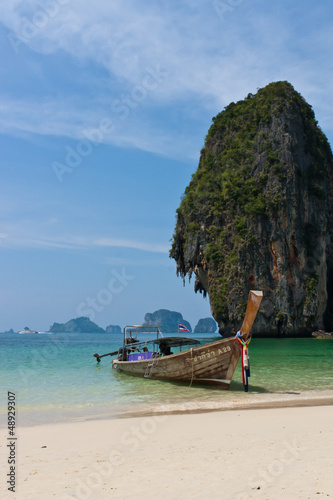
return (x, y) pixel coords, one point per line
(245, 359)
(104, 366)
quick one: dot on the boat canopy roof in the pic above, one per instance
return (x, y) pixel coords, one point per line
(164, 341)
(176, 341)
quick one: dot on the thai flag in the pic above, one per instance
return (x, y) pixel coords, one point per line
(182, 328)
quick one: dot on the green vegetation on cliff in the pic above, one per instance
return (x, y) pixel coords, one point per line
(265, 163)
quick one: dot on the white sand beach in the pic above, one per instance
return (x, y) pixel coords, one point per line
(278, 453)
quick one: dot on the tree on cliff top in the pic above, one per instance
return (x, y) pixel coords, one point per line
(257, 214)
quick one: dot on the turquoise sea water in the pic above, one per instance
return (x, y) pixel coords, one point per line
(56, 378)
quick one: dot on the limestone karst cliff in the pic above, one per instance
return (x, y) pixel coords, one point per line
(205, 325)
(257, 214)
(113, 329)
(167, 320)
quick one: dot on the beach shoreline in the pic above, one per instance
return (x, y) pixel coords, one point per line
(187, 408)
(40, 416)
(270, 453)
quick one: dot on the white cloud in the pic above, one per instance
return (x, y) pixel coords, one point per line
(3, 237)
(44, 116)
(160, 261)
(209, 62)
(137, 245)
(25, 235)
(54, 118)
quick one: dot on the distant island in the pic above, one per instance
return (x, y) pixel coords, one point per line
(167, 320)
(78, 325)
(113, 329)
(206, 325)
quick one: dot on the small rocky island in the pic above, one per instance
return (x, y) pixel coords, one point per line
(167, 320)
(78, 325)
(205, 325)
(113, 329)
(257, 214)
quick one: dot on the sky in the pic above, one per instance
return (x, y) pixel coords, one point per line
(104, 108)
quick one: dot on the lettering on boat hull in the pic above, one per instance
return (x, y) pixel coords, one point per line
(210, 354)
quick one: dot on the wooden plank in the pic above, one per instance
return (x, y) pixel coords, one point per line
(255, 298)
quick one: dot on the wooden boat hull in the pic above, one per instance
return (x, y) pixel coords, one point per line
(210, 364)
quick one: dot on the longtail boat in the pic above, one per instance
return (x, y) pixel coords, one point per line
(213, 363)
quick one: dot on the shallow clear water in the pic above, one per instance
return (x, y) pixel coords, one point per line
(56, 378)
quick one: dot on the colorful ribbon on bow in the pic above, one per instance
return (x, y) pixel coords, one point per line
(245, 359)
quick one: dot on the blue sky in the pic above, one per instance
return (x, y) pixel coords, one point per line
(104, 108)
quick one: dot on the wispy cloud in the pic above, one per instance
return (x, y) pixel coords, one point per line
(149, 261)
(137, 245)
(54, 118)
(209, 64)
(45, 116)
(30, 239)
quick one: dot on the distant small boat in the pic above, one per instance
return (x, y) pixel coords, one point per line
(27, 330)
(213, 363)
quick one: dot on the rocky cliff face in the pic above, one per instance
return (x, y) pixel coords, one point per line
(257, 214)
